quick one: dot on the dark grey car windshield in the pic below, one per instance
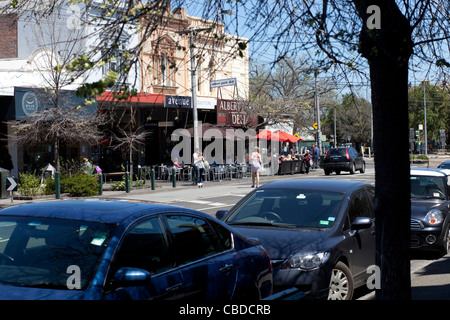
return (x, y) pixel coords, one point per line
(50, 253)
(287, 207)
(427, 187)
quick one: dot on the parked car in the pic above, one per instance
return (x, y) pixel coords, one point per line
(98, 249)
(445, 165)
(320, 234)
(343, 159)
(430, 202)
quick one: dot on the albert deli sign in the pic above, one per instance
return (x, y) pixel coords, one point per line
(230, 113)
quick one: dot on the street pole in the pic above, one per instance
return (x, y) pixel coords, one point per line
(316, 104)
(335, 136)
(425, 118)
(194, 91)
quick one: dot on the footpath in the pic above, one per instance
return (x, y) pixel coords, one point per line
(431, 281)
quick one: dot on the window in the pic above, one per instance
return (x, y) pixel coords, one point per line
(40, 250)
(145, 247)
(359, 207)
(193, 238)
(224, 236)
(164, 70)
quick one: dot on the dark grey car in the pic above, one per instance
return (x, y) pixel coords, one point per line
(343, 159)
(430, 213)
(320, 234)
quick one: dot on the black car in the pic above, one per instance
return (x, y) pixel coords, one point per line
(320, 234)
(343, 159)
(430, 202)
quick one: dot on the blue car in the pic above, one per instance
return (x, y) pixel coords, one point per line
(99, 249)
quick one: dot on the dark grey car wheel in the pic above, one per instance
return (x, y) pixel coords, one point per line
(341, 283)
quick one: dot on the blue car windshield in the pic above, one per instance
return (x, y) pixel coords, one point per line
(289, 208)
(50, 253)
(428, 187)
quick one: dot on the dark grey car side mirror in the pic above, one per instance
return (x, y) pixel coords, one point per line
(361, 223)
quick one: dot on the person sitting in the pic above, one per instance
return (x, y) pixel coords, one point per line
(176, 164)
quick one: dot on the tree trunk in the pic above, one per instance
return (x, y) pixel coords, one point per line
(388, 51)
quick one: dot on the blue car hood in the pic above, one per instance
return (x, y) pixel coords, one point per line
(283, 243)
(25, 293)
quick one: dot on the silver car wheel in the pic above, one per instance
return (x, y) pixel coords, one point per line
(341, 283)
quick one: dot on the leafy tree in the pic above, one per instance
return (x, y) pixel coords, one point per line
(437, 102)
(353, 119)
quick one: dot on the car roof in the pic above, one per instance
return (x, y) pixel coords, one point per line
(436, 172)
(329, 185)
(96, 210)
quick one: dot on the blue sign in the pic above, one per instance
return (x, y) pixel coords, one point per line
(177, 102)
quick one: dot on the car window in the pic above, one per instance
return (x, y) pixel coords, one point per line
(289, 208)
(360, 206)
(223, 235)
(145, 246)
(193, 238)
(428, 187)
(337, 152)
(38, 252)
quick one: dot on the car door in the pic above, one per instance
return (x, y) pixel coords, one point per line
(361, 244)
(145, 246)
(206, 266)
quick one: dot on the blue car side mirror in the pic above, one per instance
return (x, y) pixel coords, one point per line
(221, 213)
(127, 277)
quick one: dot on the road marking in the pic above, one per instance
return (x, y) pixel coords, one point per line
(209, 203)
(215, 207)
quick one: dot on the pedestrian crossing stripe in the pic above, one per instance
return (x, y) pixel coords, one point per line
(209, 203)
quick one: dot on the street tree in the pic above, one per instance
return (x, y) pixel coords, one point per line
(436, 101)
(61, 117)
(286, 92)
(353, 119)
(380, 41)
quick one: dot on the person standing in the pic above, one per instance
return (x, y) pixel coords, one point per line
(316, 156)
(256, 166)
(198, 167)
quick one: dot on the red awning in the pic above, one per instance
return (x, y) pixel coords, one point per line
(150, 98)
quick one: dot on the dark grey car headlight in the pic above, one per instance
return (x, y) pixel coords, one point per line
(434, 217)
(307, 261)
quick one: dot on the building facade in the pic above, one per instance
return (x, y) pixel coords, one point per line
(162, 78)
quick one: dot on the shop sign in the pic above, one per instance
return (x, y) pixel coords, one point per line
(229, 113)
(31, 100)
(206, 103)
(177, 102)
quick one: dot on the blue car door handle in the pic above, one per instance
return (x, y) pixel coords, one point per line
(226, 268)
(174, 288)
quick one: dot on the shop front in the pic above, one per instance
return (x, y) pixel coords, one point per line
(31, 157)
